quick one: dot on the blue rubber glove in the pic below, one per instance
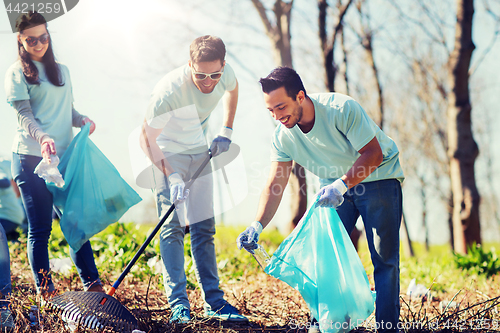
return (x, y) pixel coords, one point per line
(222, 141)
(220, 145)
(248, 239)
(177, 192)
(332, 195)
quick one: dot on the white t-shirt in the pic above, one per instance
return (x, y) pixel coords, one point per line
(51, 106)
(341, 128)
(179, 108)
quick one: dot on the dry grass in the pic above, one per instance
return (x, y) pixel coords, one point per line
(268, 303)
(271, 305)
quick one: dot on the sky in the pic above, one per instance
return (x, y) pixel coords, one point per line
(117, 51)
(115, 60)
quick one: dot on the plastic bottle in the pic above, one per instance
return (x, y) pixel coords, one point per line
(33, 316)
(261, 256)
(71, 325)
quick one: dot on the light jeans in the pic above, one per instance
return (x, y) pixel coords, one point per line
(197, 212)
(380, 205)
(5, 283)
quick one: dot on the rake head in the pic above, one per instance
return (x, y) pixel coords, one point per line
(93, 310)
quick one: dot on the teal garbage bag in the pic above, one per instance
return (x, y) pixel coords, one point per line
(319, 260)
(94, 194)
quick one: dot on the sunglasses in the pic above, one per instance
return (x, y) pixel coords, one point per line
(202, 76)
(32, 41)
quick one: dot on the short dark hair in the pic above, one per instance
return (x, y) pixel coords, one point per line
(283, 77)
(206, 49)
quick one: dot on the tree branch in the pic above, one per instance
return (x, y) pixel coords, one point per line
(270, 30)
(417, 23)
(473, 68)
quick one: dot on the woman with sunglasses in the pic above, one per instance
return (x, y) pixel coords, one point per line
(40, 91)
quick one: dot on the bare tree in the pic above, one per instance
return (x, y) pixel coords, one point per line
(462, 149)
(366, 39)
(421, 118)
(328, 44)
(346, 63)
(445, 86)
(279, 34)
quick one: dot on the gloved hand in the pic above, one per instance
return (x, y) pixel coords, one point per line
(92, 124)
(332, 195)
(221, 142)
(48, 148)
(248, 239)
(177, 192)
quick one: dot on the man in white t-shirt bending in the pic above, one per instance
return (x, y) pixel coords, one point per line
(173, 137)
(331, 135)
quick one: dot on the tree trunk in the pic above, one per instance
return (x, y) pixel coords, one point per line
(328, 63)
(407, 246)
(450, 221)
(425, 226)
(373, 65)
(463, 150)
(280, 37)
(346, 65)
(367, 43)
(328, 46)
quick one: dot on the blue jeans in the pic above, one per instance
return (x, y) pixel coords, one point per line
(37, 201)
(380, 205)
(5, 283)
(10, 227)
(197, 212)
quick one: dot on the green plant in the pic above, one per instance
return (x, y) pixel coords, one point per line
(478, 260)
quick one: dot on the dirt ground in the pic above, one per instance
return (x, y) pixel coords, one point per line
(269, 304)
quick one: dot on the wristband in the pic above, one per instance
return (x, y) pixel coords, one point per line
(44, 139)
(340, 186)
(257, 226)
(226, 132)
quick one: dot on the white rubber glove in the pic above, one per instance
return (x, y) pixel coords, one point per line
(177, 192)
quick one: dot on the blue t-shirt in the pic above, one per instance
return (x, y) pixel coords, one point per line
(51, 106)
(179, 108)
(341, 128)
(10, 205)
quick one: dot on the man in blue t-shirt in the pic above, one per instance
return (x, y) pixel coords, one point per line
(173, 137)
(358, 165)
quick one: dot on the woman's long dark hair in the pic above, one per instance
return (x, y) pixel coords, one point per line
(30, 71)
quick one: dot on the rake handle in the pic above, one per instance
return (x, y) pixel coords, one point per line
(112, 290)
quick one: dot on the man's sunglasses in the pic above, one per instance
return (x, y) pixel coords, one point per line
(202, 76)
(32, 41)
